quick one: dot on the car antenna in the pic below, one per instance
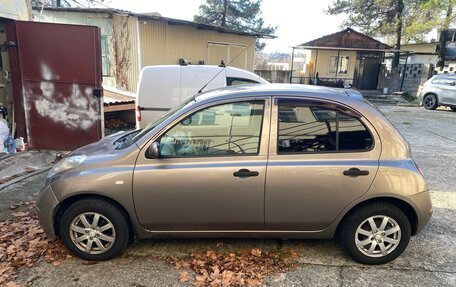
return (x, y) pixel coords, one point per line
(224, 67)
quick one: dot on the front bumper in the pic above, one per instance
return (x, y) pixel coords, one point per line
(47, 204)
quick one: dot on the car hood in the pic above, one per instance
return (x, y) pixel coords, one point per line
(106, 147)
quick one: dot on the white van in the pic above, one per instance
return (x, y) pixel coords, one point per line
(161, 88)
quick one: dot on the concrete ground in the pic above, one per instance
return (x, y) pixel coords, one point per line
(430, 259)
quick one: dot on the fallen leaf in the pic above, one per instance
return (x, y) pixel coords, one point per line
(256, 252)
(184, 277)
(56, 263)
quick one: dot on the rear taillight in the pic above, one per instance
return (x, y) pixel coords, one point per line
(138, 113)
(419, 169)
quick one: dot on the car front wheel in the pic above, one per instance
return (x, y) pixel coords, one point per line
(94, 229)
(376, 233)
(430, 102)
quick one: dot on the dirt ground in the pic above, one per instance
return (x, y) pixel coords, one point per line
(430, 259)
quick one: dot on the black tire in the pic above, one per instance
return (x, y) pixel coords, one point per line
(453, 109)
(430, 102)
(347, 233)
(108, 213)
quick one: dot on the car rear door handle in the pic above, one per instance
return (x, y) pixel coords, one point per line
(245, 173)
(354, 172)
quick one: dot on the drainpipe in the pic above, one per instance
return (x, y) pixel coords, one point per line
(138, 41)
(405, 69)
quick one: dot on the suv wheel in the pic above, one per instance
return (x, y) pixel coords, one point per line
(430, 102)
(376, 233)
(94, 229)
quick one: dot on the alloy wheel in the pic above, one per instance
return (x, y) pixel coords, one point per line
(92, 233)
(378, 236)
(429, 102)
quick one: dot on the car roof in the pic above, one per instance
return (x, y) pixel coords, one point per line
(279, 90)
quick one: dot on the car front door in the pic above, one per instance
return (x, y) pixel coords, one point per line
(322, 157)
(211, 170)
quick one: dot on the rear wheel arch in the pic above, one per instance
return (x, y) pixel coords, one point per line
(401, 204)
(71, 200)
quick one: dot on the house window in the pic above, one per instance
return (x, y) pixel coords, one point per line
(104, 56)
(333, 64)
(343, 65)
(341, 68)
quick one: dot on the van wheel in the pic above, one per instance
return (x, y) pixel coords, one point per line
(430, 102)
(94, 229)
(375, 234)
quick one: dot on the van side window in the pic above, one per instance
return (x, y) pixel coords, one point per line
(222, 130)
(231, 81)
(304, 129)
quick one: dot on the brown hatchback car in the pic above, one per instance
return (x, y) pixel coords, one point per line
(283, 161)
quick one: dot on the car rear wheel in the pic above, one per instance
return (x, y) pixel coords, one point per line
(94, 229)
(430, 102)
(375, 234)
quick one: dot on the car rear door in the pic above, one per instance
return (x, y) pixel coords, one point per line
(322, 157)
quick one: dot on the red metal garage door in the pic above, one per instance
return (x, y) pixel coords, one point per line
(57, 86)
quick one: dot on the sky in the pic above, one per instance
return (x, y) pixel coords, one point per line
(297, 21)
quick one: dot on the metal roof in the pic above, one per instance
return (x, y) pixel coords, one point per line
(156, 17)
(347, 39)
(345, 49)
(112, 96)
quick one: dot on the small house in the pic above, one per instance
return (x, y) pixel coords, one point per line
(344, 58)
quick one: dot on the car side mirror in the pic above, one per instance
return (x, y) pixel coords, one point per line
(154, 150)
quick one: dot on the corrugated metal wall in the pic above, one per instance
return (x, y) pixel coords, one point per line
(164, 44)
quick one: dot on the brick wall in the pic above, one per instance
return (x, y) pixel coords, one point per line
(415, 75)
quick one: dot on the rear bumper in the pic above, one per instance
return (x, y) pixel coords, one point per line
(423, 208)
(47, 203)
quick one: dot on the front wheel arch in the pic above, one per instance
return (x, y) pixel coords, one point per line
(70, 200)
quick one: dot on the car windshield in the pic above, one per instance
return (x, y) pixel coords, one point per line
(155, 123)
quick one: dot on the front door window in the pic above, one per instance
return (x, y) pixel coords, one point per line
(222, 130)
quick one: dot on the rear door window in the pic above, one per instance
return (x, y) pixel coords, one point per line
(309, 129)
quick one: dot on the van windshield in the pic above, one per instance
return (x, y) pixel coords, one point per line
(155, 123)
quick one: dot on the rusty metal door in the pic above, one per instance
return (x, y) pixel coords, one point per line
(58, 87)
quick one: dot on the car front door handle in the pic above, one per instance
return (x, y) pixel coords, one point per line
(354, 172)
(245, 173)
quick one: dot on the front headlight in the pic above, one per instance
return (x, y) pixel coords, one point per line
(66, 164)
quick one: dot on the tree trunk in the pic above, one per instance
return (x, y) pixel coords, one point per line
(397, 46)
(225, 8)
(443, 35)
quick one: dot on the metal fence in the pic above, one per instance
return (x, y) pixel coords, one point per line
(328, 82)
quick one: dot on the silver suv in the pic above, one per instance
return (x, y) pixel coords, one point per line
(440, 90)
(284, 161)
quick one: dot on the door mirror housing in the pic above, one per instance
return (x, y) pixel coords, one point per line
(154, 150)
